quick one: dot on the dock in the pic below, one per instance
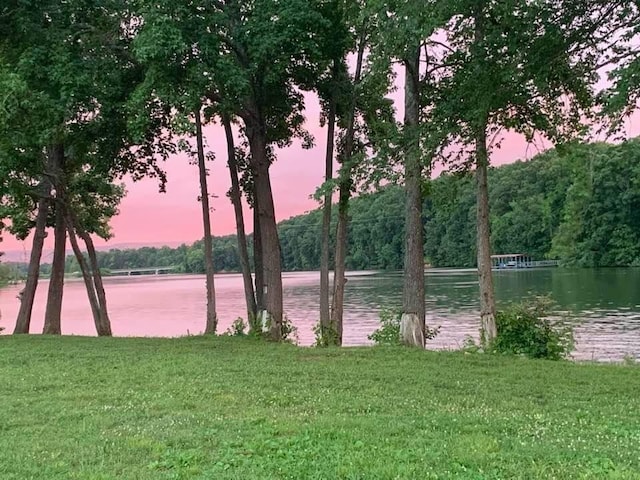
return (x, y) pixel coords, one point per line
(519, 260)
(144, 271)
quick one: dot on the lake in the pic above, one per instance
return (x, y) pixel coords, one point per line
(603, 304)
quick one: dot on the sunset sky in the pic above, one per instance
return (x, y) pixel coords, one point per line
(152, 218)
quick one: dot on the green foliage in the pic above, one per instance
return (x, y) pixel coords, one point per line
(5, 274)
(324, 337)
(469, 345)
(580, 205)
(389, 331)
(289, 331)
(525, 329)
(66, 73)
(237, 329)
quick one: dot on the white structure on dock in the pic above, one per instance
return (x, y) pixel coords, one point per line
(143, 271)
(519, 260)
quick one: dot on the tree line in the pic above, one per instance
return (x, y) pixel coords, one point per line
(93, 92)
(549, 207)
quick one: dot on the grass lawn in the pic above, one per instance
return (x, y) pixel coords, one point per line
(229, 408)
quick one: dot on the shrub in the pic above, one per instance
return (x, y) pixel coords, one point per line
(237, 328)
(469, 345)
(289, 331)
(525, 329)
(325, 337)
(389, 331)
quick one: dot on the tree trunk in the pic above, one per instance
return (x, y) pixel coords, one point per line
(345, 183)
(27, 296)
(339, 278)
(488, 329)
(212, 319)
(258, 255)
(53, 312)
(327, 336)
(268, 231)
(236, 200)
(485, 278)
(412, 326)
(105, 323)
(86, 275)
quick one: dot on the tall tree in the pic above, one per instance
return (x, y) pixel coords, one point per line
(325, 312)
(408, 36)
(175, 57)
(347, 158)
(70, 72)
(256, 57)
(332, 86)
(271, 54)
(236, 199)
(27, 296)
(212, 319)
(413, 299)
(96, 310)
(53, 311)
(530, 67)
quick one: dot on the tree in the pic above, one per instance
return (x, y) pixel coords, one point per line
(70, 73)
(236, 199)
(530, 67)
(212, 320)
(270, 53)
(56, 169)
(408, 36)
(348, 156)
(176, 80)
(332, 87)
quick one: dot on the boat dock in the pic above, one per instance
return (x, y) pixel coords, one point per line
(519, 260)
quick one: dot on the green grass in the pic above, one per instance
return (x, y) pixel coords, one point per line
(228, 408)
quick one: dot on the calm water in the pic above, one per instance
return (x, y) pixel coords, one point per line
(604, 305)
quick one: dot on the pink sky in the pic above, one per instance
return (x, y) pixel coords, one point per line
(149, 217)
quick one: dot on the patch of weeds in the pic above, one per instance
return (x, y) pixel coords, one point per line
(526, 329)
(469, 345)
(237, 329)
(325, 336)
(289, 331)
(389, 331)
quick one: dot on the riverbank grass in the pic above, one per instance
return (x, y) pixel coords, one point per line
(236, 408)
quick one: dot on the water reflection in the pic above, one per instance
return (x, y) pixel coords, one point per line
(604, 304)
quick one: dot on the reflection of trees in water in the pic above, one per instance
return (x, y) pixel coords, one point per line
(608, 289)
(573, 289)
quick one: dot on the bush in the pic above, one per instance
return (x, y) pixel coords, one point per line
(325, 337)
(237, 328)
(389, 331)
(525, 329)
(289, 331)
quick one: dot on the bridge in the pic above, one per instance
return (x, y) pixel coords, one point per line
(144, 271)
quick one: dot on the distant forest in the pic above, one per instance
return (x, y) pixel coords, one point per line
(580, 205)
